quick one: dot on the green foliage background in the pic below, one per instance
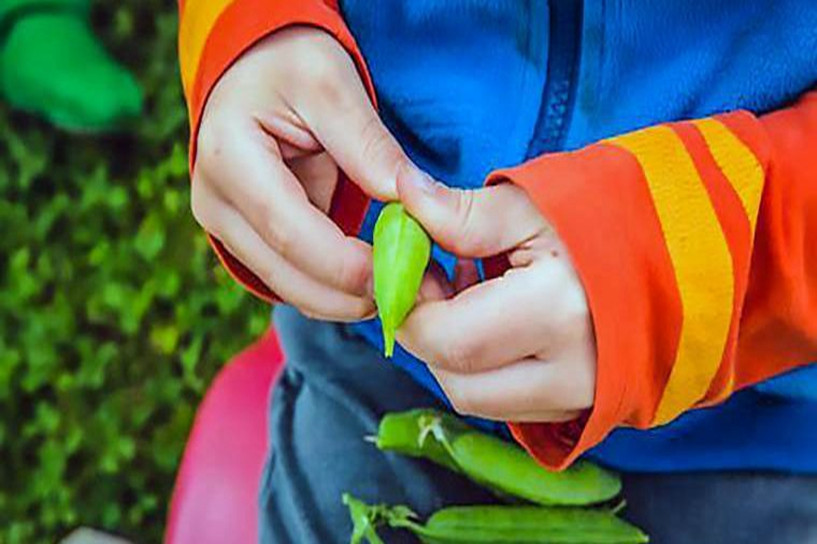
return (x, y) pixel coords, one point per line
(114, 315)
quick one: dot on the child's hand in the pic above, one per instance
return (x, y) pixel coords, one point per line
(515, 348)
(277, 128)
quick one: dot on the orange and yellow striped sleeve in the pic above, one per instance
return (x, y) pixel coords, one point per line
(696, 243)
(213, 34)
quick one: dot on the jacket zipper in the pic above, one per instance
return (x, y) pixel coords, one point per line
(559, 92)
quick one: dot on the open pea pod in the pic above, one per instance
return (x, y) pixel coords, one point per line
(401, 253)
(490, 461)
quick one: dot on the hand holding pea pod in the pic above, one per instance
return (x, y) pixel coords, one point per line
(273, 140)
(519, 347)
(493, 462)
(496, 525)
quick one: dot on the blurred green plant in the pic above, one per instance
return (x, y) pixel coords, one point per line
(114, 315)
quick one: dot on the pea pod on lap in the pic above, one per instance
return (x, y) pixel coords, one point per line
(525, 525)
(498, 525)
(400, 433)
(492, 462)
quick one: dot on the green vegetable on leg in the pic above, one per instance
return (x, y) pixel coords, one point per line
(402, 432)
(401, 253)
(493, 462)
(523, 525)
(497, 525)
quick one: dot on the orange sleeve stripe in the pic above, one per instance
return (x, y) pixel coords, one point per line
(198, 17)
(720, 167)
(738, 164)
(738, 233)
(701, 259)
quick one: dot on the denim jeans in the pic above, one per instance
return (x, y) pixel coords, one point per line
(336, 387)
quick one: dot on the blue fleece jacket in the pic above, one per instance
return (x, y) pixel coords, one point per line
(468, 86)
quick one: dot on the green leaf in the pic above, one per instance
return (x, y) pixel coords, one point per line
(150, 239)
(114, 318)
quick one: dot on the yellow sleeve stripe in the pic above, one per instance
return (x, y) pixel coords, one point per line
(196, 23)
(700, 257)
(738, 164)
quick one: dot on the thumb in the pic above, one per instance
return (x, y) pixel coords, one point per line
(469, 223)
(348, 127)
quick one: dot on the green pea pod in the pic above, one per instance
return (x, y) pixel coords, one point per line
(401, 253)
(401, 432)
(522, 525)
(492, 462)
(495, 525)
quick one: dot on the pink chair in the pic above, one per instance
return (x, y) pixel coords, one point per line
(215, 499)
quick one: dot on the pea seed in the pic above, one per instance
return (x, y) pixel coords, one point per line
(401, 253)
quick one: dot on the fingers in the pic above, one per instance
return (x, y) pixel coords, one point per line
(277, 129)
(311, 89)
(347, 125)
(318, 175)
(486, 326)
(474, 224)
(242, 165)
(295, 287)
(294, 139)
(529, 390)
